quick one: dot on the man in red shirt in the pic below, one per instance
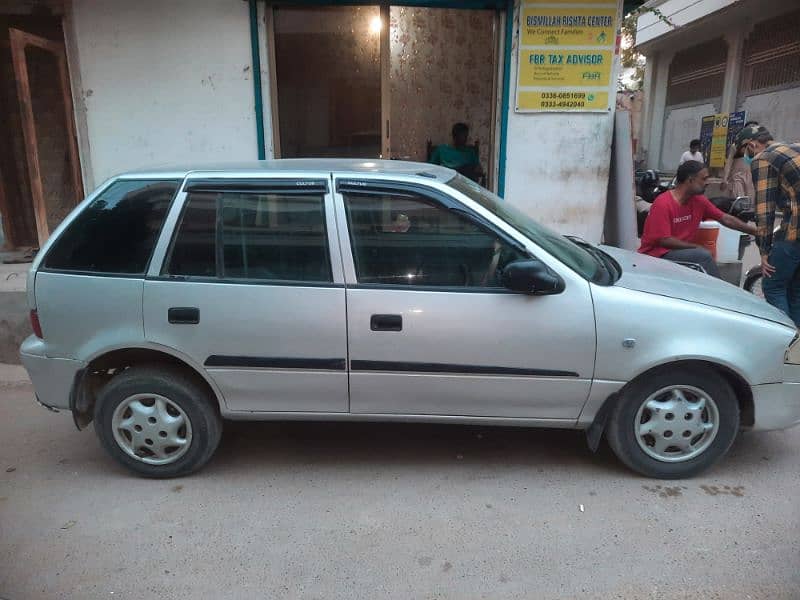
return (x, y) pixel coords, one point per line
(675, 218)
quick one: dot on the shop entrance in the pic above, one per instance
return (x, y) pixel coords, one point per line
(40, 180)
(383, 81)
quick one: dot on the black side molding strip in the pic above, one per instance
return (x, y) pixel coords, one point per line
(270, 362)
(419, 367)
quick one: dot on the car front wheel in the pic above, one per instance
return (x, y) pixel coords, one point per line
(674, 423)
(157, 422)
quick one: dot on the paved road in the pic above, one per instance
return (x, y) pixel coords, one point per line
(389, 511)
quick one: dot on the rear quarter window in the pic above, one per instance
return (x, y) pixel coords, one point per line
(117, 232)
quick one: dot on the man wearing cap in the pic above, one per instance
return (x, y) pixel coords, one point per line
(775, 167)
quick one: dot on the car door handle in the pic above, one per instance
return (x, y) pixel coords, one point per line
(386, 323)
(184, 315)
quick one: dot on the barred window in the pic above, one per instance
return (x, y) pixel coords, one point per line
(697, 73)
(772, 54)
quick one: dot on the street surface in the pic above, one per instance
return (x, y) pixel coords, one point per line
(314, 510)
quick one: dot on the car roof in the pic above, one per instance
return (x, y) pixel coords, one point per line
(301, 165)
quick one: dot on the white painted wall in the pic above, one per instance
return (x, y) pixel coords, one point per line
(164, 82)
(557, 164)
(777, 111)
(678, 12)
(680, 127)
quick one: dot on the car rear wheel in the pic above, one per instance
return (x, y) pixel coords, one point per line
(157, 422)
(674, 423)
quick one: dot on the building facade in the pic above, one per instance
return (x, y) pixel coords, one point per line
(90, 89)
(706, 57)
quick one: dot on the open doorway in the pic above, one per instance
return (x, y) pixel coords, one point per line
(328, 73)
(40, 179)
(383, 81)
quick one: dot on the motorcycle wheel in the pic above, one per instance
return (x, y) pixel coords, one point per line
(752, 283)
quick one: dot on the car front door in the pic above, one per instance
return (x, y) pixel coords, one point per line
(251, 289)
(432, 332)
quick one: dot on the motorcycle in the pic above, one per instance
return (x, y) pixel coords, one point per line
(752, 281)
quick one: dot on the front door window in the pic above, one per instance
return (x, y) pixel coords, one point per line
(409, 240)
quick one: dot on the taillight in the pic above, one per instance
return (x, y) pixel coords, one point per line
(37, 327)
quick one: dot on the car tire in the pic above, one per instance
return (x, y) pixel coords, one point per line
(650, 429)
(157, 421)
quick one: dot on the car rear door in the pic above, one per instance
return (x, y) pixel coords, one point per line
(249, 287)
(432, 332)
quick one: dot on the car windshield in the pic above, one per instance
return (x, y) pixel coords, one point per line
(576, 255)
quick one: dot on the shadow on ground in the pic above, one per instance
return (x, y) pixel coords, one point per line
(252, 446)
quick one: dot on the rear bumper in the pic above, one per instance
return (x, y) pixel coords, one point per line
(52, 377)
(777, 406)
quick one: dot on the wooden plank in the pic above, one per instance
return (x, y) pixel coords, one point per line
(5, 210)
(273, 81)
(497, 52)
(18, 43)
(69, 120)
(385, 54)
(29, 39)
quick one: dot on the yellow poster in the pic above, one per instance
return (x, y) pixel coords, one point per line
(562, 101)
(567, 54)
(718, 140)
(568, 26)
(558, 68)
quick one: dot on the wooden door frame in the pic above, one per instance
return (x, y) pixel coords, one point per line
(9, 234)
(386, 63)
(19, 42)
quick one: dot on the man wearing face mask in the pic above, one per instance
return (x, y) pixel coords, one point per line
(675, 218)
(775, 167)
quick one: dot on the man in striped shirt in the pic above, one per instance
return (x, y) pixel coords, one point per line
(776, 179)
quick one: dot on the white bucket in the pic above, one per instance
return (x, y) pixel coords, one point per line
(728, 245)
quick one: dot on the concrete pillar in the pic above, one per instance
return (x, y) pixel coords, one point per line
(733, 69)
(647, 108)
(658, 109)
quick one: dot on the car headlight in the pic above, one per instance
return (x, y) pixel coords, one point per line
(793, 353)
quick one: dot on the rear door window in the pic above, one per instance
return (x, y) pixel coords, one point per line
(116, 233)
(252, 236)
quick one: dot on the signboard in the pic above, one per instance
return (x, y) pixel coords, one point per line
(557, 68)
(717, 133)
(566, 55)
(735, 125)
(706, 134)
(564, 100)
(568, 26)
(718, 139)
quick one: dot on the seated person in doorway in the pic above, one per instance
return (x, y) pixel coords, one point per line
(459, 156)
(675, 218)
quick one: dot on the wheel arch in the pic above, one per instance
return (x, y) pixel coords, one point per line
(105, 364)
(742, 390)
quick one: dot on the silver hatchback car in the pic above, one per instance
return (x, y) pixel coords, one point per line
(173, 299)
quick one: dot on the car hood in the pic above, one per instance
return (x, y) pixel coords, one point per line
(658, 276)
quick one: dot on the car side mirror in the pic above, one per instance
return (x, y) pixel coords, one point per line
(531, 276)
